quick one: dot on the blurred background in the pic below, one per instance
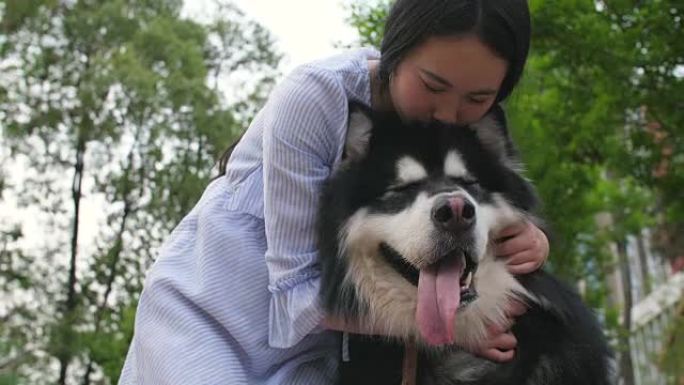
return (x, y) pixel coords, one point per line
(114, 112)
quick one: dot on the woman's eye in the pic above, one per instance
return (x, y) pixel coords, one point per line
(434, 90)
(477, 100)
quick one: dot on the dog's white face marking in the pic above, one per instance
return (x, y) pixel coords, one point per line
(454, 165)
(408, 231)
(412, 232)
(492, 218)
(391, 300)
(497, 215)
(410, 170)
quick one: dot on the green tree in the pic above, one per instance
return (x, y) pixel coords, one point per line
(118, 103)
(14, 278)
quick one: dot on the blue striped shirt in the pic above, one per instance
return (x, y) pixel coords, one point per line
(233, 295)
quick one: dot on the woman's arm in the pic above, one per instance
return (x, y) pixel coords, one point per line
(302, 127)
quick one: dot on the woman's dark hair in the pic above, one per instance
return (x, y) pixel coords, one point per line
(225, 157)
(502, 25)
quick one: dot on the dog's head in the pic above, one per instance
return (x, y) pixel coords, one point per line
(419, 203)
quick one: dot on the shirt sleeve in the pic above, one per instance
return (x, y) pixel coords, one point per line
(304, 128)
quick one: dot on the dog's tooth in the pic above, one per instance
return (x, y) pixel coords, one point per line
(469, 279)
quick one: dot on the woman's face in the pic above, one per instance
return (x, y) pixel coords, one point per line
(449, 79)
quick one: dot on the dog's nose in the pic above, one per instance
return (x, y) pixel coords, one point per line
(453, 214)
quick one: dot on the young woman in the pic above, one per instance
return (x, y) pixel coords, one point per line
(233, 296)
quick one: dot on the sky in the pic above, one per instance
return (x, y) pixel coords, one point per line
(304, 30)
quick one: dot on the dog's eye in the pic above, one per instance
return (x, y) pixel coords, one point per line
(403, 187)
(465, 181)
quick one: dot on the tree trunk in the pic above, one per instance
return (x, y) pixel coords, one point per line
(71, 301)
(115, 253)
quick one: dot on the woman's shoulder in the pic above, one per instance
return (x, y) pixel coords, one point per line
(345, 62)
(336, 79)
(309, 107)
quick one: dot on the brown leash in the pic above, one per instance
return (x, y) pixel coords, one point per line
(408, 372)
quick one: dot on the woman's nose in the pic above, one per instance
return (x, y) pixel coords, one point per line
(447, 114)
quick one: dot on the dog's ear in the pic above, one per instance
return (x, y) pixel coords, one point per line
(358, 132)
(492, 131)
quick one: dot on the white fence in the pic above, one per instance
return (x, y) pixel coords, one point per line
(652, 318)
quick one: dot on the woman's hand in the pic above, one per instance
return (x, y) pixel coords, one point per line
(524, 246)
(500, 344)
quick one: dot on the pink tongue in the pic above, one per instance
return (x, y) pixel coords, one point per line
(439, 293)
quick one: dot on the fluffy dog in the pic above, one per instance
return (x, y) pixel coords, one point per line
(405, 237)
